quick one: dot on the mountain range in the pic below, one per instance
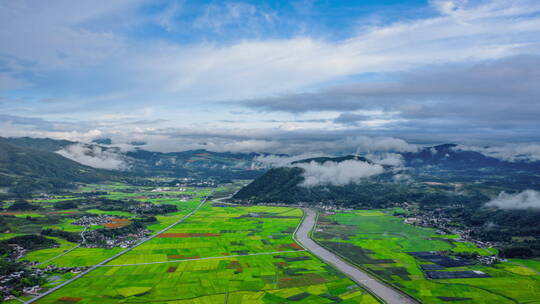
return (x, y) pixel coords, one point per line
(442, 173)
(35, 163)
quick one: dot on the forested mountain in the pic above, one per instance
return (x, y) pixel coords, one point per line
(27, 169)
(431, 174)
(191, 163)
(284, 185)
(194, 163)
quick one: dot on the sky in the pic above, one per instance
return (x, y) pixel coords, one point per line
(272, 76)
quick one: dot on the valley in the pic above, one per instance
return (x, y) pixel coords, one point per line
(292, 234)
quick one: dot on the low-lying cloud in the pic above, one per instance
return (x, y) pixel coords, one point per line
(387, 159)
(337, 174)
(267, 161)
(528, 199)
(95, 156)
(524, 152)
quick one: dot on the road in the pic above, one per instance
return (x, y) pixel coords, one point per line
(383, 291)
(48, 292)
(67, 251)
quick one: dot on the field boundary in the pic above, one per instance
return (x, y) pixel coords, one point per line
(48, 292)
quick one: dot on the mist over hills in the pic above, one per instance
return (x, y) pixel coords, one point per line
(23, 168)
(36, 164)
(418, 175)
(84, 162)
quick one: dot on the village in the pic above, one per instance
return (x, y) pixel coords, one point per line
(436, 219)
(51, 273)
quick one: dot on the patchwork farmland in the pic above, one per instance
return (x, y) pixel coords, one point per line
(246, 254)
(424, 264)
(218, 255)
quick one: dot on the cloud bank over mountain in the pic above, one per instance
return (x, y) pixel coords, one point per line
(519, 152)
(337, 173)
(95, 156)
(528, 199)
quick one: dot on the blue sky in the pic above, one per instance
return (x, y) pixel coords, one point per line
(275, 76)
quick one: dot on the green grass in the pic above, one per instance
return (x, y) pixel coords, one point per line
(379, 242)
(531, 263)
(5, 236)
(46, 254)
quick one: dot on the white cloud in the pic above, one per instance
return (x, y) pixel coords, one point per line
(256, 67)
(402, 178)
(448, 7)
(95, 156)
(388, 159)
(337, 174)
(55, 28)
(528, 199)
(71, 34)
(167, 17)
(380, 144)
(281, 161)
(517, 152)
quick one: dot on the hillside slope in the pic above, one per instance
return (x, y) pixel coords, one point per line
(25, 169)
(442, 174)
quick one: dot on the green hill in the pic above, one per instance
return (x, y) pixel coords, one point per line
(24, 169)
(283, 185)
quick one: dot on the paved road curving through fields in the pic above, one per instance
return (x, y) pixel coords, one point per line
(383, 291)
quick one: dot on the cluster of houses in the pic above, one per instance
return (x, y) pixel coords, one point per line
(43, 197)
(96, 239)
(190, 182)
(100, 219)
(17, 252)
(8, 282)
(435, 219)
(149, 208)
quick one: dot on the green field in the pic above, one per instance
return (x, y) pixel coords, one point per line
(219, 255)
(49, 253)
(379, 242)
(90, 256)
(224, 231)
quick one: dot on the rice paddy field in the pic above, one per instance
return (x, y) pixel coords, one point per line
(219, 231)
(90, 256)
(379, 242)
(219, 255)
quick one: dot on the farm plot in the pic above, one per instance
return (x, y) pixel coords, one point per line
(220, 231)
(400, 254)
(83, 256)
